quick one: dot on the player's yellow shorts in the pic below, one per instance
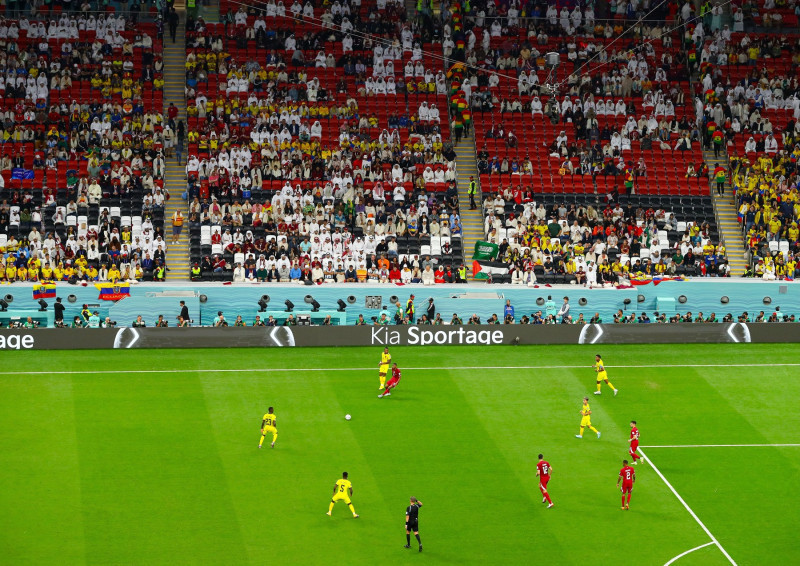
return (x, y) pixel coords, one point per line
(601, 376)
(271, 429)
(586, 421)
(383, 369)
(341, 497)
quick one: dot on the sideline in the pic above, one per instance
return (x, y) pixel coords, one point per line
(723, 446)
(273, 370)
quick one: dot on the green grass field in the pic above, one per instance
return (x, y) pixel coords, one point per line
(113, 458)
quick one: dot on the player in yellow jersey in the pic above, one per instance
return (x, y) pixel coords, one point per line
(383, 366)
(269, 424)
(601, 375)
(586, 419)
(342, 491)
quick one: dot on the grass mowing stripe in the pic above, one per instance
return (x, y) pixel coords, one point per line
(526, 415)
(686, 506)
(40, 488)
(281, 494)
(753, 394)
(153, 489)
(748, 499)
(425, 440)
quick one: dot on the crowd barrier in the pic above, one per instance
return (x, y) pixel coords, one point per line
(204, 301)
(317, 336)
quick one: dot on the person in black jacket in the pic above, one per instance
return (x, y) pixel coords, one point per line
(173, 19)
(184, 311)
(431, 311)
(59, 311)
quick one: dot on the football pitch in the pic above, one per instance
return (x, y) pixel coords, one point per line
(150, 457)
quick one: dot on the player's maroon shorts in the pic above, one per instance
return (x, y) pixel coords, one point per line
(391, 383)
(627, 487)
(634, 446)
(543, 481)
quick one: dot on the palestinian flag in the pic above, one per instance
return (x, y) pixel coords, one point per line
(482, 269)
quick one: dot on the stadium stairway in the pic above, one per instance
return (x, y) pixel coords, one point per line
(174, 178)
(727, 217)
(471, 220)
(209, 10)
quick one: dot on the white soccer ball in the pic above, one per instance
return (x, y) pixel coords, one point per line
(348, 417)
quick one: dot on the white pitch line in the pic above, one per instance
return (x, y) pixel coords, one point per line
(723, 446)
(682, 554)
(689, 509)
(371, 368)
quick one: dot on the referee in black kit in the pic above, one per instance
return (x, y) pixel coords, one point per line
(412, 522)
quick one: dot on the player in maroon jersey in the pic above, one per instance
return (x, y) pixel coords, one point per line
(634, 440)
(627, 475)
(392, 383)
(543, 470)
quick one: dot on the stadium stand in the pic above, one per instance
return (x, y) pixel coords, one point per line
(750, 112)
(319, 137)
(319, 146)
(577, 113)
(80, 155)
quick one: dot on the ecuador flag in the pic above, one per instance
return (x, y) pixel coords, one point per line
(113, 291)
(44, 291)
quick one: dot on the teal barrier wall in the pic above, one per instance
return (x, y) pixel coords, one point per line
(483, 300)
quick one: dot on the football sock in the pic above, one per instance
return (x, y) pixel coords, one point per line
(408, 538)
(418, 539)
(623, 500)
(581, 433)
(629, 499)
(330, 507)
(547, 496)
(599, 384)
(352, 509)
(592, 429)
(383, 379)
(609, 384)
(274, 437)
(260, 442)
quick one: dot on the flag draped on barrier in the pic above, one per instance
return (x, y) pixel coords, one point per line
(44, 291)
(113, 291)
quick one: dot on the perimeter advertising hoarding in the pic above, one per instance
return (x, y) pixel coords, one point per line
(303, 336)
